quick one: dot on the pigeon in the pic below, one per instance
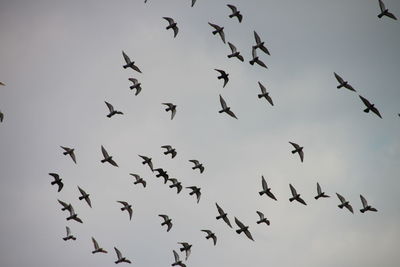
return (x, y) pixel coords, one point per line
(243, 228)
(210, 235)
(262, 218)
(223, 75)
(298, 149)
(187, 248)
(219, 30)
(225, 108)
(64, 205)
(139, 180)
(120, 258)
(147, 160)
(193, 2)
(176, 184)
(167, 221)
(69, 235)
(129, 63)
(112, 110)
(97, 249)
(256, 59)
(235, 13)
(195, 190)
(197, 165)
(1, 116)
(170, 150)
(260, 44)
(85, 196)
(223, 215)
(343, 83)
(57, 180)
(171, 107)
(177, 260)
(264, 93)
(70, 152)
(366, 207)
(344, 203)
(235, 53)
(266, 190)
(320, 193)
(73, 215)
(162, 173)
(385, 11)
(172, 25)
(296, 196)
(136, 85)
(370, 107)
(127, 207)
(107, 158)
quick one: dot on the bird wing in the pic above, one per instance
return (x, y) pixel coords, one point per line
(299, 199)
(167, 147)
(110, 107)
(214, 237)
(262, 87)
(391, 15)
(269, 99)
(1, 116)
(169, 224)
(207, 231)
(173, 112)
(233, 48)
(215, 26)
(233, 8)
(2, 84)
(135, 81)
(296, 146)
(165, 217)
(127, 59)
(257, 37)
(176, 30)
(119, 255)
(293, 190)
(348, 86)
(123, 203)
(365, 101)
(198, 195)
(104, 152)
(72, 155)
(227, 221)
(65, 205)
(341, 198)
(88, 201)
(319, 191)
(137, 177)
(60, 185)
(55, 175)
(230, 112)
(254, 53)
(193, 2)
(260, 214)
(220, 210)
(248, 234)
(264, 183)
(96, 245)
(239, 223)
(338, 78)
(170, 20)
(222, 34)
(196, 162)
(262, 64)
(168, 104)
(223, 103)
(130, 212)
(65, 148)
(71, 211)
(271, 195)
(382, 5)
(240, 17)
(349, 207)
(82, 191)
(112, 162)
(176, 256)
(68, 231)
(301, 154)
(363, 201)
(376, 111)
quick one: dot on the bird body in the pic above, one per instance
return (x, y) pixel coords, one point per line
(256, 59)
(73, 215)
(260, 44)
(147, 160)
(112, 111)
(162, 173)
(176, 184)
(187, 248)
(370, 107)
(234, 53)
(209, 235)
(136, 85)
(385, 11)
(139, 180)
(223, 75)
(225, 108)
(264, 93)
(170, 150)
(235, 13)
(177, 260)
(343, 83)
(262, 218)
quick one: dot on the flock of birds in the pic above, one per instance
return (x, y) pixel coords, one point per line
(169, 150)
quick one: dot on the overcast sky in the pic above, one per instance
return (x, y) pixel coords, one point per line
(60, 60)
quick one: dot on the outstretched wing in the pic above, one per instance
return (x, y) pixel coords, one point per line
(127, 59)
(365, 101)
(119, 255)
(104, 152)
(110, 107)
(176, 256)
(230, 113)
(341, 198)
(264, 183)
(262, 87)
(170, 20)
(382, 6)
(257, 37)
(296, 146)
(363, 201)
(233, 8)
(223, 103)
(260, 214)
(233, 48)
(319, 191)
(338, 78)
(96, 245)
(239, 223)
(293, 190)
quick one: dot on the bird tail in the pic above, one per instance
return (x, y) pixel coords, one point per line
(220, 111)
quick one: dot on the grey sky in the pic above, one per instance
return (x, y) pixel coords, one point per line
(60, 60)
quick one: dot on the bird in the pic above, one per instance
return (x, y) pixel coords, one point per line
(64, 205)
(260, 44)
(97, 249)
(219, 30)
(171, 107)
(195, 190)
(235, 53)
(298, 149)
(264, 93)
(139, 180)
(170, 150)
(129, 63)
(243, 228)
(176, 184)
(262, 218)
(167, 221)
(256, 59)
(120, 258)
(197, 165)
(296, 196)
(223, 215)
(320, 193)
(112, 110)
(147, 160)
(177, 260)
(69, 235)
(1, 116)
(2, 84)
(223, 75)
(385, 11)
(343, 83)
(172, 25)
(73, 215)
(210, 234)
(266, 190)
(70, 152)
(85, 196)
(344, 203)
(366, 207)
(162, 173)
(235, 13)
(57, 181)
(370, 107)
(136, 85)
(127, 207)
(187, 248)
(193, 2)
(107, 158)
(225, 108)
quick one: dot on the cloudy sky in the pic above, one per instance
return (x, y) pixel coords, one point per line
(60, 60)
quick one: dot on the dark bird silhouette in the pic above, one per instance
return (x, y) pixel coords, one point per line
(262, 218)
(177, 260)
(243, 228)
(107, 158)
(97, 248)
(197, 165)
(344, 203)
(127, 207)
(298, 149)
(187, 248)
(320, 193)
(370, 107)
(296, 196)
(260, 44)
(235, 13)
(57, 181)
(343, 83)
(73, 215)
(136, 85)
(147, 160)
(171, 107)
(176, 184)
(366, 207)
(69, 235)
(223, 75)
(225, 108)
(219, 30)
(2, 84)
(167, 221)
(1, 116)
(193, 2)
(223, 215)
(112, 111)
(210, 235)
(265, 189)
(385, 11)
(120, 258)
(196, 191)
(256, 59)
(235, 53)
(264, 93)
(138, 179)
(70, 152)
(85, 196)
(170, 150)
(64, 205)
(129, 63)
(172, 25)
(162, 173)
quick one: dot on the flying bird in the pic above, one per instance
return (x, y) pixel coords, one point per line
(69, 235)
(225, 108)
(70, 152)
(370, 107)
(195, 190)
(235, 53)
(64, 205)
(219, 30)
(167, 221)
(1, 116)
(112, 110)
(298, 149)
(127, 207)
(344, 203)
(296, 196)
(223, 215)
(210, 235)
(266, 190)
(366, 207)
(97, 248)
(73, 215)
(223, 75)
(262, 218)
(147, 160)
(243, 228)
(187, 248)
(120, 258)
(2, 84)
(136, 85)
(171, 107)
(235, 13)
(343, 83)
(57, 181)
(85, 196)
(197, 165)
(107, 158)
(177, 260)
(162, 173)
(169, 150)
(176, 184)
(193, 2)
(264, 93)
(138, 179)
(256, 59)
(172, 25)
(385, 11)
(320, 193)
(129, 63)
(260, 44)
